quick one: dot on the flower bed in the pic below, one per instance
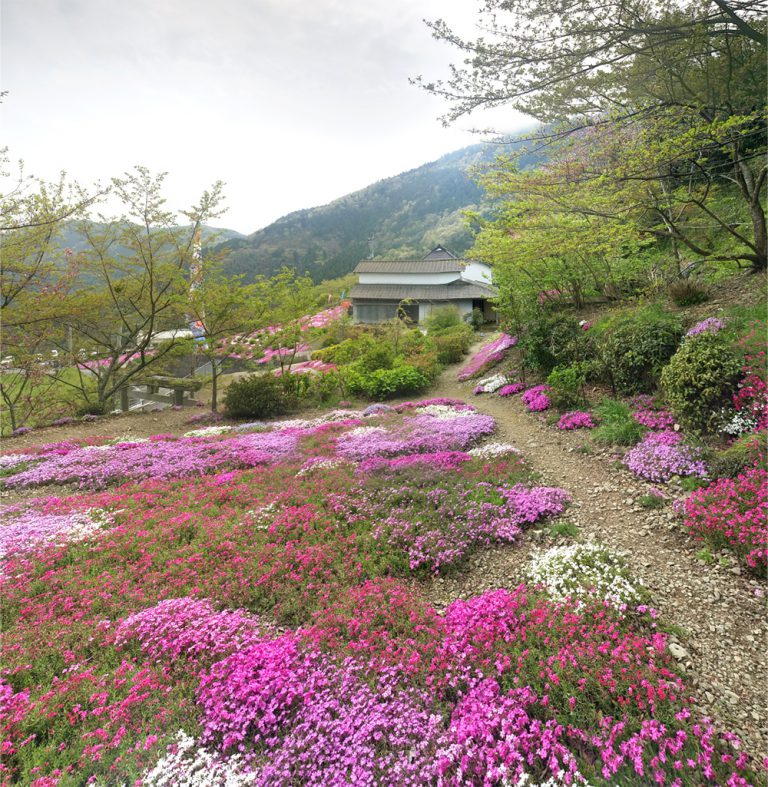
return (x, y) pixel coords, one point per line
(487, 356)
(732, 512)
(536, 398)
(662, 455)
(576, 419)
(264, 625)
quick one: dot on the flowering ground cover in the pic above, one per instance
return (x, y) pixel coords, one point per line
(487, 356)
(662, 455)
(263, 623)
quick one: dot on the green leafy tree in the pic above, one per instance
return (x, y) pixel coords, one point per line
(659, 107)
(136, 267)
(227, 311)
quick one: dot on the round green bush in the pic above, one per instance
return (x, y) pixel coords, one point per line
(399, 381)
(636, 347)
(700, 379)
(551, 340)
(260, 396)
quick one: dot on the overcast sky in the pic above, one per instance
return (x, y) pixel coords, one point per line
(292, 103)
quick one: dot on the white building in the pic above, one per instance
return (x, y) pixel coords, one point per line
(415, 287)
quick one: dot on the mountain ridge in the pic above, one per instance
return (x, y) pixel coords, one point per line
(396, 217)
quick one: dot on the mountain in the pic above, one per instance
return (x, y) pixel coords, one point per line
(70, 237)
(399, 217)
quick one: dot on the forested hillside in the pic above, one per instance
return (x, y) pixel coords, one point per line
(406, 215)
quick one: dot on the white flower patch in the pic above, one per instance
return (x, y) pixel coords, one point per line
(361, 431)
(208, 431)
(444, 411)
(126, 439)
(526, 780)
(326, 418)
(736, 423)
(263, 517)
(493, 450)
(493, 383)
(320, 463)
(186, 764)
(11, 460)
(585, 570)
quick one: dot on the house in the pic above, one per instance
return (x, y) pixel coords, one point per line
(415, 287)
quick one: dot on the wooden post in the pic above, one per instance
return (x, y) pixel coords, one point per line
(125, 404)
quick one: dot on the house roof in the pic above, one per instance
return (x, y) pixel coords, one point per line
(440, 253)
(459, 290)
(411, 266)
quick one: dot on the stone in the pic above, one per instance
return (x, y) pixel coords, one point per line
(678, 651)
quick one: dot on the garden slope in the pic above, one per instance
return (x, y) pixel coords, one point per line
(724, 636)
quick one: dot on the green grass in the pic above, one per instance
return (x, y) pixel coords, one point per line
(617, 425)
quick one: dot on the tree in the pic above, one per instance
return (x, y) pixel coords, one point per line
(226, 311)
(31, 215)
(136, 269)
(660, 104)
(586, 60)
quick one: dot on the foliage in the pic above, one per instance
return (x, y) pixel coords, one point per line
(552, 339)
(685, 292)
(453, 344)
(259, 396)
(441, 319)
(650, 111)
(617, 426)
(748, 451)
(567, 385)
(701, 377)
(400, 380)
(635, 346)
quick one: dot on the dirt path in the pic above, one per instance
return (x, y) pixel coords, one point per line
(722, 614)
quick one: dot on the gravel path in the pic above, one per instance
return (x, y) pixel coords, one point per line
(723, 637)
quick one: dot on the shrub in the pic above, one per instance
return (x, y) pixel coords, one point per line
(442, 319)
(450, 347)
(260, 396)
(426, 364)
(388, 383)
(567, 384)
(746, 452)
(618, 427)
(552, 340)
(685, 292)
(475, 319)
(635, 348)
(700, 379)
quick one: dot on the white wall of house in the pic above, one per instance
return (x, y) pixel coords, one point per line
(406, 279)
(477, 271)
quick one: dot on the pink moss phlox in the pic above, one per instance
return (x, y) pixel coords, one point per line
(536, 398)
(649, 416)
(576, 419)
(662, 455)
(711, 325)
(487, 356)
(733, 512)
(511, 389)
(190, 628)
(441, 460)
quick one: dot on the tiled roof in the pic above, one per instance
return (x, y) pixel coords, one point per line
(411, 266)
(460, 290)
